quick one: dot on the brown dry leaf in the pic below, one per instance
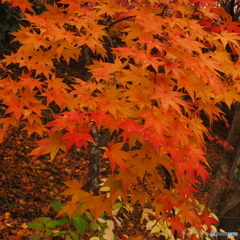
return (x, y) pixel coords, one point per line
(21, 201)
(45, 209)
(7, 215)
(2, 226)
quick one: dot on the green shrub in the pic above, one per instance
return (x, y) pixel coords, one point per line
(9, 22)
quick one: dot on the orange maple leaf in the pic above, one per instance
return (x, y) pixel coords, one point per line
(35, 128)
(49, 145)
(160, 208)
(78, 195)
(188, 214)
(14, 107)
(127, 179)
(7, 121)
(142, 197)
(71, 208)
(30, 82)
(116, 188)
(97, 205)
(115, 155)
(59, 96)
(110, 8)
(23, 5)
(169, 97)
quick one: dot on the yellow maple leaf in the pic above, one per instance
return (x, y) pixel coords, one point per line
(24, 225)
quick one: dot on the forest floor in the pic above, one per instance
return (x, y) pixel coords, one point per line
(28, 184)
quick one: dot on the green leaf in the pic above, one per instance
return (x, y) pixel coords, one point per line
(56, 205)
(48, 232)
(52, 224)
(80, 203)
(94, 226)
(62, 233)
(117, 205)
(62, 221)
(116, 237)
(4, 28)
(36, 236)
(89, 215)
(74, 235)
(44, 220)
(103, 225)
(104, 215)
(14, 28)
(80, 224)
(35, 225)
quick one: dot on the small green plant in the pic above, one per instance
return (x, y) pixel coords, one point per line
(75, 229)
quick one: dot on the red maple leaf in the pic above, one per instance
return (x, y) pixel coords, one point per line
(101, 118)
(129, 127)
(177, 225)
(77, 137)
(208, 220)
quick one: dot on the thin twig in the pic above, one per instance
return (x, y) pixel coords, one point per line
(119, 20)
(146, 187)
(151, 228)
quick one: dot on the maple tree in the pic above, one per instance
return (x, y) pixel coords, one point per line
(156, 68)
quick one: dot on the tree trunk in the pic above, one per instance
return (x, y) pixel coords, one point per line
(225, 197)
(100, 139)
(93, 179)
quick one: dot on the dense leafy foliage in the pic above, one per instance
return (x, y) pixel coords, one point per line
(156, 68)
(9, 22)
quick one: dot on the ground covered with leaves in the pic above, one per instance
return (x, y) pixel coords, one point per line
(29, 184)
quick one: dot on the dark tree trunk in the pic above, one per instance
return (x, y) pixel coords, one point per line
(100, 138)
(93, 179)
(225, 197)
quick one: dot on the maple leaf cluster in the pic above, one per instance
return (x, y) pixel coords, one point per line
(151, 84)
